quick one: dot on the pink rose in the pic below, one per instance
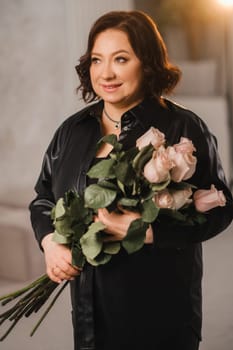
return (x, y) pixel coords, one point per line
(184, 146)
(158, 168)
(163, 199)
(184, 163)
(205, 200)
(153, 136)
(181, 197)
(173, 199)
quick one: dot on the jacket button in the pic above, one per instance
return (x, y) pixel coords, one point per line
(83, 172)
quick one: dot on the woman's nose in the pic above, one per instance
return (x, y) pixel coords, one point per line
(108, 71)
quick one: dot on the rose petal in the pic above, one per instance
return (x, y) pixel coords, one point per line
(205, 200)
(153, 136)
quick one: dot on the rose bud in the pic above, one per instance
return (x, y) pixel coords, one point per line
(163, 199)
(158, 168)
(153, 136)
(205, 200)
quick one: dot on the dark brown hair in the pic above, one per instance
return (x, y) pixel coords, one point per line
(160, 76)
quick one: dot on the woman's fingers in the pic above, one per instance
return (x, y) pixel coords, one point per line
(58, 274)
(58, 259)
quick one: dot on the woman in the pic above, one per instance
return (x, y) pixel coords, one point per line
(150, 299)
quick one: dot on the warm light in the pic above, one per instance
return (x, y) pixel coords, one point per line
(226, 2)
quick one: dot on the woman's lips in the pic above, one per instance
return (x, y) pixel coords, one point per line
(110, 87)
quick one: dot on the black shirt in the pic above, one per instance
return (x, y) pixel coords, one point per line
(156, 292)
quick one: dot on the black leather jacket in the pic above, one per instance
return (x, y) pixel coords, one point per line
(175, 253)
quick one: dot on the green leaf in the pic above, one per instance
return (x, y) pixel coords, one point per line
(89, 217)
(59, 210)
(91, 241)
(107, 184)
(69, 197)
(61, 239)
(78, 259)
(149, 211)
(161, 186)
(64, 226)
(79, 230)
(112, 247)
(142, 158)
(149, 194)
(77, 209)
(101, 259)
(135, 188)
(121, 186)
(97, 197)
(128, 202)
(135, 237)
(125, 173)
(130, 154)
(103, 169)
(95, 227)
(112, 140)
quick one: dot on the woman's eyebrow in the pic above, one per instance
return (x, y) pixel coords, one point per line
(113, 53)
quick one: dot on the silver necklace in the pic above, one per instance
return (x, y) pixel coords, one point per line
(117, 122)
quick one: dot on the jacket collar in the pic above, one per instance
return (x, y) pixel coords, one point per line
(149, 107)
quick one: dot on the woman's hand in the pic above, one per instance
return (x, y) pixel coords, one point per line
(58, 260)
(117, 224)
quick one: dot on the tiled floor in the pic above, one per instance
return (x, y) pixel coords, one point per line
(55, 333)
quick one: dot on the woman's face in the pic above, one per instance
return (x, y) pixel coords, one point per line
(115, 71)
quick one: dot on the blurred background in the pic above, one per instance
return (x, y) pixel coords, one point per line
(40, 44)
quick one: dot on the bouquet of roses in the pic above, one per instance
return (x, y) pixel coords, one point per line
(148, 179)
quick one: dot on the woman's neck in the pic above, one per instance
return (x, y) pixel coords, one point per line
(115, 111)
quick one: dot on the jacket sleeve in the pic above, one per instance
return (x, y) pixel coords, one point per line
(40, 207)
(208, 171)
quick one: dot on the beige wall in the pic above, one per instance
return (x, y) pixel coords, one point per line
(40, 42)
(32, 42)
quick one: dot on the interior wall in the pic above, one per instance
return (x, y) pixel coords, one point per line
(32, 53)
(40, 43)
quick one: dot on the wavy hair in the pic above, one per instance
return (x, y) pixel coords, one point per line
(160, 76)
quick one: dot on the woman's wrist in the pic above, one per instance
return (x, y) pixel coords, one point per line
(46, 240)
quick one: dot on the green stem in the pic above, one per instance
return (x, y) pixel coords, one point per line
(11, 296)
(14, 323)
(48, 308)
(39, 302)
(42, 289)
(38, 291)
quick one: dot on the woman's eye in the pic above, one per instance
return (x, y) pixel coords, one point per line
(121, 59)
(95, 60)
